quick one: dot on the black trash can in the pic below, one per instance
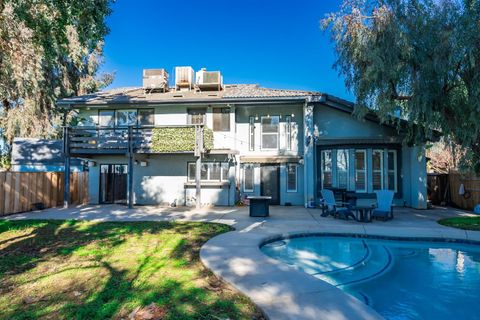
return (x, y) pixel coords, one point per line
(259, 206)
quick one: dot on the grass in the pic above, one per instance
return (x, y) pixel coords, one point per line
(90, 270)
(465, 223)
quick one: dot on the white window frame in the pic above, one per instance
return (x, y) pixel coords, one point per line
(122, 111)
(347, 171)
(322, 178)
(380, 170)
(394, 171)
(288, 132)
(269, 133)
(253, 177)
(191, 166)
(364, 170)
(251, 133)
(296, 177)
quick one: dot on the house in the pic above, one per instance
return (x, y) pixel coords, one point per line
(287, 144)
(40, 155)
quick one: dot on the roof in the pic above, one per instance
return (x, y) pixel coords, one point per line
(134, 95)
(30, 151)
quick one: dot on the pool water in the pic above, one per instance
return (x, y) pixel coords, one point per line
(399, 279)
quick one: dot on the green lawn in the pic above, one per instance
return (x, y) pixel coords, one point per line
(87, 270)
(465, 223)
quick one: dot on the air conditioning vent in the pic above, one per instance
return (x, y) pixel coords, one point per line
(184, 78)
(209, 80)
(155, 80)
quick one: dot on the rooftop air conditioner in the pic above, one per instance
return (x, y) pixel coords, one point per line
(184, 78)
(155, 80)
(209, 80)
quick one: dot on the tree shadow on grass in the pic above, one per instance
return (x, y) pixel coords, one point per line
(125, 288)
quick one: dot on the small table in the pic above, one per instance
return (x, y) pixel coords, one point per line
(363, 213)
(259, 206)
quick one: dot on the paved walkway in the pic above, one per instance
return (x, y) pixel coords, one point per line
(278, 289)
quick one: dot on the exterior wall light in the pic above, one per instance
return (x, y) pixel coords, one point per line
(91, 164)
(143, 163)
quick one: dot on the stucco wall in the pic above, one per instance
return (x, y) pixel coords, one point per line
(162, 181)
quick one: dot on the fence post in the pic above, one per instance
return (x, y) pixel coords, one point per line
(66, 152)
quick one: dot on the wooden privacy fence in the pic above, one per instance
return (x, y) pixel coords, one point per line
(25, 191)
(472, 190)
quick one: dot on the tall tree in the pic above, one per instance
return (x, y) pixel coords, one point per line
(48, 49)
(417, 60)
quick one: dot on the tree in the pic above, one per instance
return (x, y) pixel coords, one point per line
(49, 49)
(417, 60)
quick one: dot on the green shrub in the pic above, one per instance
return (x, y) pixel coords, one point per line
(179, 139)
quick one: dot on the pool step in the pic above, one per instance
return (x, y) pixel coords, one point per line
(376, 262)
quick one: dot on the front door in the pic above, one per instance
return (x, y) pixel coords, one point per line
(113, 183)
(269, 184)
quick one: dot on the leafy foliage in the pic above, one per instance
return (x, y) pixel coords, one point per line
(416, 59)
(48, 50)
(179, 139)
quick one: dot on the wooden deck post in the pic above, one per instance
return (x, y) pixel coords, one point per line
(66, 153)
(198, 154)
(130, 167)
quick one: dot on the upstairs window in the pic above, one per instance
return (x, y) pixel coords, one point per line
(196, 116)
(221, 119)
(288, 132)
(251, 133)
(106, 118)
(127, 117)
(270, 126)
(146, 117)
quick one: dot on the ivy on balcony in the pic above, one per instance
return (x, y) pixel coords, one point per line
(179, 139)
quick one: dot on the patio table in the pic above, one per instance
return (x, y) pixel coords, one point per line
(259, 206)
(363, 213)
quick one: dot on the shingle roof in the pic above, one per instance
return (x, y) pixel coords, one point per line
(231, 91)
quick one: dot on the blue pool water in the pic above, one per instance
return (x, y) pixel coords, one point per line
(399, 279)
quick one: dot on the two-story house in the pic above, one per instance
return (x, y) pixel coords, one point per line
(287, 144)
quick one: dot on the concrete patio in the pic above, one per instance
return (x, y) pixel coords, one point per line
(279, 290)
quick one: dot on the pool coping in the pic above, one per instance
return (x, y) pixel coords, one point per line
(284, 292)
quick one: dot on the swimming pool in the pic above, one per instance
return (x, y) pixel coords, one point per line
(399, 279)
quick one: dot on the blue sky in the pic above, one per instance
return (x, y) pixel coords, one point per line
(276, 44)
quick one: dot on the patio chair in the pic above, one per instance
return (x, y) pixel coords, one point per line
(384, 207)
(330, 206)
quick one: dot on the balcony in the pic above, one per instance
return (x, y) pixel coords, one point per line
(135, 139)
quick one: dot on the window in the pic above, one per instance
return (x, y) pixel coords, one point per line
(196, 116)
(377, 169)
(126, 118)
(342, 168)
(221, 119)
(251, 133)
(360, 171)
(106, 118)
(248, 178)
(291, 178)
(327, 169)
(270, 126)
(392, 170)
(146, 117)
(288, 132)
(210, 171)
